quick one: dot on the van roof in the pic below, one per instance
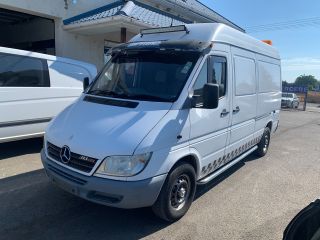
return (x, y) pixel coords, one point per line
(212, 32)
(46, 56)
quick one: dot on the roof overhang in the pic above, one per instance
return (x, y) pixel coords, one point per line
(132, 15)
(197, 10)
(107, 25)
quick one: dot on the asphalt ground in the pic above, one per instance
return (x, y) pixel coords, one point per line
(255, 199)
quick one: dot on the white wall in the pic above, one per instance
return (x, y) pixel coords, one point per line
(80, 47)
(84, 48)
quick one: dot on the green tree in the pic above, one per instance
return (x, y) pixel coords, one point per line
(285, 83)
(307, 80)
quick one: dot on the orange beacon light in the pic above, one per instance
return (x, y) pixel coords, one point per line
(269, 42)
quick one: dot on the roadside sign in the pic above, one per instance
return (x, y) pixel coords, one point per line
(295, 89)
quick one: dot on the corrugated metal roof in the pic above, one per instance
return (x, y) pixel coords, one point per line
(196, 8)
(106, 13)
(148, 16)
(136, 10)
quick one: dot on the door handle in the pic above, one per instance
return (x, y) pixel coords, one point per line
(236, 110)
(224, 113)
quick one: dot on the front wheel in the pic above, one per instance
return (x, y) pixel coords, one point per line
(263, 145)
(177, 193)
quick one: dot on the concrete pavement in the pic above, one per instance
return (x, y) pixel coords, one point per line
(254, 200)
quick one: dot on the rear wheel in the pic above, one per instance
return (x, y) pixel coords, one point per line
(177, 193)
(263, 145)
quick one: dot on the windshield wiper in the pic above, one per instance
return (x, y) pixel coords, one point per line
(109, 93)
(148, 97)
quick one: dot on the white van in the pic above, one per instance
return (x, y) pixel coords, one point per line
(34, 88)
(173, 108)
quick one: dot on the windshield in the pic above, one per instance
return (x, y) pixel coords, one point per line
(149, 75)
(287, 95)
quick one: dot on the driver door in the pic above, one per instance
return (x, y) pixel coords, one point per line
(210, 127)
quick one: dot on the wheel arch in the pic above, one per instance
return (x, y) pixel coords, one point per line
(193, 159)
(269, 125)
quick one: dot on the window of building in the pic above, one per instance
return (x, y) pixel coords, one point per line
(21, 71)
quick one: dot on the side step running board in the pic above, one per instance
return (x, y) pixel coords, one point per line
(229, 165)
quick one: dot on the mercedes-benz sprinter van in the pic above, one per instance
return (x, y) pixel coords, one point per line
(173, 108)
(34, 88)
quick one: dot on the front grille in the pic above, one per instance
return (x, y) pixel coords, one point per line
(66, 175)
(77, 161)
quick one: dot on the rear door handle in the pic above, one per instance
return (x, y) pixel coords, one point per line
(224, 113)
(236, 110)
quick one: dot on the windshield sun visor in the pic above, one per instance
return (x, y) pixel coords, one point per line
(192, 46)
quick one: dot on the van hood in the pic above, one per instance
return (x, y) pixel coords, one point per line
(99, 130)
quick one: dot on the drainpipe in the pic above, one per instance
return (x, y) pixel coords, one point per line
(123, 35)
(126, 11)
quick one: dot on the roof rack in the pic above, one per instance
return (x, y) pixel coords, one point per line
(179, 28)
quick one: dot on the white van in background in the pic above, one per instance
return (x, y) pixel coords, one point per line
(34, 88)
(173, 108)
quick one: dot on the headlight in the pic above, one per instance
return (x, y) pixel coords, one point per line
(124, 166)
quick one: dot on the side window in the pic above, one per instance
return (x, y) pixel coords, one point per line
(218, 73)
(198, 86)
(21, 71)
(245, 75)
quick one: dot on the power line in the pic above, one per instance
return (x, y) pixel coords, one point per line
(276, 28)
(315, 19)
(298, 23)
(293, 22)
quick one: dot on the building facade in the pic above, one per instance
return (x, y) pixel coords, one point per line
(86, 29)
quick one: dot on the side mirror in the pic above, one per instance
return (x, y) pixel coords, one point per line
(85, 83)
(210, 96)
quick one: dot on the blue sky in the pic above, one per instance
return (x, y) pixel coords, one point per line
(299, 47)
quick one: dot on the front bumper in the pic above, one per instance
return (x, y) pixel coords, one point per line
(285, 104)
(121, 194)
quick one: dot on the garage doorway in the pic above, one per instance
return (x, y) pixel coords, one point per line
(26, 32)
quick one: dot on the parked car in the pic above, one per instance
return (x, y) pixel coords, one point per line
(289, 100)
(173, 108)
(34, 88)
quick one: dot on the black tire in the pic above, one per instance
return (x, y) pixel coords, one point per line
(263, 145)
(177, 193)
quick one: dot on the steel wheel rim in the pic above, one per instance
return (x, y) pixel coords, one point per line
(180, 192)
